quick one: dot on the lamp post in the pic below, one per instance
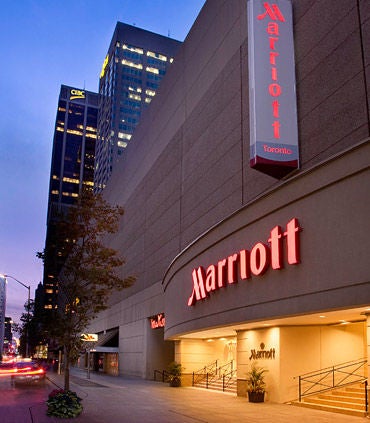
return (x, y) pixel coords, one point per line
(28, 306)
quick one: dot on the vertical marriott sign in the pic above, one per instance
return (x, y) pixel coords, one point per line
(272, 96)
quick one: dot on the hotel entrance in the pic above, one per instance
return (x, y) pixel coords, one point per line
(286, 348)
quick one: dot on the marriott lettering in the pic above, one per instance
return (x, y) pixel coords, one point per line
(245, 263)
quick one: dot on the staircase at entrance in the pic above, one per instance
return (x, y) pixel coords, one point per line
(216, 377)
(348, 400)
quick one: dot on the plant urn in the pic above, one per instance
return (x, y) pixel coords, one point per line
(256, 396)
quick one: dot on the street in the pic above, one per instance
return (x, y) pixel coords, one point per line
(16, 402)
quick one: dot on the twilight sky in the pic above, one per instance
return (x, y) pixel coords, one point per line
(43, 44)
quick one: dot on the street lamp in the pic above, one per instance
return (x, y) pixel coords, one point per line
(28, 306)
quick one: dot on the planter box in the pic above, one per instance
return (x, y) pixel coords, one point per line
(256, 396)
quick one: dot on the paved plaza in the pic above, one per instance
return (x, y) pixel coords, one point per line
(109, 399)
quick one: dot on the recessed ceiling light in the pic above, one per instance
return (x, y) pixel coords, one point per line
(322, 317)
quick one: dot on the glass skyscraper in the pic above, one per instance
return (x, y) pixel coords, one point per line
(135, 63)
(72, 169)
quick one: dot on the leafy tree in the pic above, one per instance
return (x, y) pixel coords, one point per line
(89, 274)
(29, 330)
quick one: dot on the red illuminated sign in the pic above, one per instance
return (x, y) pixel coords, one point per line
(157, 321)
(245, 263)
(273, 115)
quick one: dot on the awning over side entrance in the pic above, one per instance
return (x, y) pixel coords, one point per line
(107, 342)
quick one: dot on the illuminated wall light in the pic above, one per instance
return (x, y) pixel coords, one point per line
(150, 92)
(148, 100)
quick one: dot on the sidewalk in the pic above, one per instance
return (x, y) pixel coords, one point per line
(109, 399)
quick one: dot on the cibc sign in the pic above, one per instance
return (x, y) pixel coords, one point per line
(272, 93)
(247, 263)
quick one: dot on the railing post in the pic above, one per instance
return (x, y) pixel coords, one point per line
(366, 399)
(192, 383)
(333, 377)
(223, 383)
(300, 389)
(207, 380)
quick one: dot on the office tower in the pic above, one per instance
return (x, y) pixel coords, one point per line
(2, 311)
(8, 336)
(135, 63)
(72, 169)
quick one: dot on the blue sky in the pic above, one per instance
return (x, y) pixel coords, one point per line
(43, 44)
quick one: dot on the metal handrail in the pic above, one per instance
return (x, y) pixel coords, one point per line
(163, 373)
(331, 377)
(230, 377)
(204, 372)
(225, 372)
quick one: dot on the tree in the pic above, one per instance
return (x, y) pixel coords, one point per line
(89, 274)
(29, 329)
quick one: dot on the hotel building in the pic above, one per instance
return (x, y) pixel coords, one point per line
(241, 257)
(135, 63)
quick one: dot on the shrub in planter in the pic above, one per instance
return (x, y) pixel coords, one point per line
(175, 370)
(64, 404)
(256, 384)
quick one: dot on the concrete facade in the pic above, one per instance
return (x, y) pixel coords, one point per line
(191, 199)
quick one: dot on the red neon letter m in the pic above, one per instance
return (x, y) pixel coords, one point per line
(273, 11)
(198, 286)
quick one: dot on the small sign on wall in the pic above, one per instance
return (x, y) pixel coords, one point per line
(157, 321)
(272, 92)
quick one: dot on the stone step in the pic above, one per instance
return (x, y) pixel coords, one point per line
(217, 385)
(326, 400)
(347, 400)
(341, 410)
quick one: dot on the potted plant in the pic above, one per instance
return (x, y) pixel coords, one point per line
(175, 370)
(63, 404)
(256, 384)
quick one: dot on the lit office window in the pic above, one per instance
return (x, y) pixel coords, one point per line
(134, 97)
(132, 64)
(153, 70)
(138, 89)
(123, 136)
(70, 180)
(122, 144)
(132, 48)
(156, 56)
